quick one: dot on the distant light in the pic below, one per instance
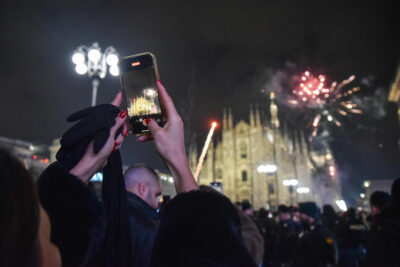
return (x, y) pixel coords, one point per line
(34, 157)
(112, 59)
(303, 190)
(362, 195)
(97, 177)
(46, 160)
(170, 180)
(307, 73)
(78, 58)
(367, 184)
(330, 118)
(214, 124)
(81, 69)
(267, 168)
(94, 55)
(341, 204)
(114, 70)
(332, 171)
(289, 182)
(328, 156)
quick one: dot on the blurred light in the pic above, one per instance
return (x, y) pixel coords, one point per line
(214, 124)
(328, 156)
(34, 157)
(81, 69)
(307, 73)
(332, 171)
(112, 59)
(362, 195)
(170, 180)
(97, 177)
(78, 58)
(149, 92)
(46, 160)
(289, 182)
(367, 184)
(94, 55)
(341, 204)
(303, 190)
(267, 168)
(330, 118)
(114, 70)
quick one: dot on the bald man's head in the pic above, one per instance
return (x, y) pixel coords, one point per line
(144, 182)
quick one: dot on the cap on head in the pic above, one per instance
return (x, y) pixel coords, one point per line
(310, 209)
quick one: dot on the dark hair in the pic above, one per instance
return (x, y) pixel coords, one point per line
(396, 191)
(19, 214)
(200, 228)
(380, 199)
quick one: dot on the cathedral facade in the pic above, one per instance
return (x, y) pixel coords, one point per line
(236, 159)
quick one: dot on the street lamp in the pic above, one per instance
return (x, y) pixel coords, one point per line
(94, 63)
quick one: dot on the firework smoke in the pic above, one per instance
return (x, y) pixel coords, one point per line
(204, 151)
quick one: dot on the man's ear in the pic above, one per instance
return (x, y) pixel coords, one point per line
(142, 189)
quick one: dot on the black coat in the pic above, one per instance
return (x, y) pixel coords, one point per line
(317, 247)
(384, 246)
(77, 217)
(143, 220)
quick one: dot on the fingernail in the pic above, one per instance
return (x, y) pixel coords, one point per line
(158, 80)
(123, 114)
(126, 132)
(147, 120)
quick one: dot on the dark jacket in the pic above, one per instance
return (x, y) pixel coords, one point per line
(317, 247)
(384, 246)
(77, 217)
(143, 220)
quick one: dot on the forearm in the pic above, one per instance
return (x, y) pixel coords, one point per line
(181, 173)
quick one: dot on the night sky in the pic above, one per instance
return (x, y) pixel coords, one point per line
(211, 55)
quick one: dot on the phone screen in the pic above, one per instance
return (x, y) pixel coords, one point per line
(138, 80)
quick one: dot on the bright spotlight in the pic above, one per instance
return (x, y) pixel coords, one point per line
(112, 60)
(114, 70)
(78, 58)
(81, 69)
(94, 55)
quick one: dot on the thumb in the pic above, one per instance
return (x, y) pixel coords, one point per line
(153, 126)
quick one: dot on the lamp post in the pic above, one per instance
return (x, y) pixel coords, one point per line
(94, 63)
(268, 169)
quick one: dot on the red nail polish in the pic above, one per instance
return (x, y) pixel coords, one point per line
(126, 132)
(158, 80)
(147, 120)
(123, 114)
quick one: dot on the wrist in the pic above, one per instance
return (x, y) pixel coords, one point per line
(82, 171)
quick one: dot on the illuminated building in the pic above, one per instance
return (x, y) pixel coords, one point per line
(245, 146)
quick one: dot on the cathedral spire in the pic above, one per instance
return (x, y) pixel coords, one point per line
(252, 124)
(224, 121)
(230, 120)
(274, 111)
(257, 112)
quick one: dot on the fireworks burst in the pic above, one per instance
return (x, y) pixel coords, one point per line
(330, 103)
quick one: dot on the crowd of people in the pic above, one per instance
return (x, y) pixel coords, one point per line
(302, 235)
(61, 221)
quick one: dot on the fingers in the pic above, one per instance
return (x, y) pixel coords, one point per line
(153, 126)
(166, 101)
(144, 138)
(117, 99)
(119, 121)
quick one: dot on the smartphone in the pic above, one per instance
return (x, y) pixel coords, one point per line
(217, 186)
(138, 75)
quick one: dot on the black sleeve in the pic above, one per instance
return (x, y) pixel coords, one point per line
(76, 215)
